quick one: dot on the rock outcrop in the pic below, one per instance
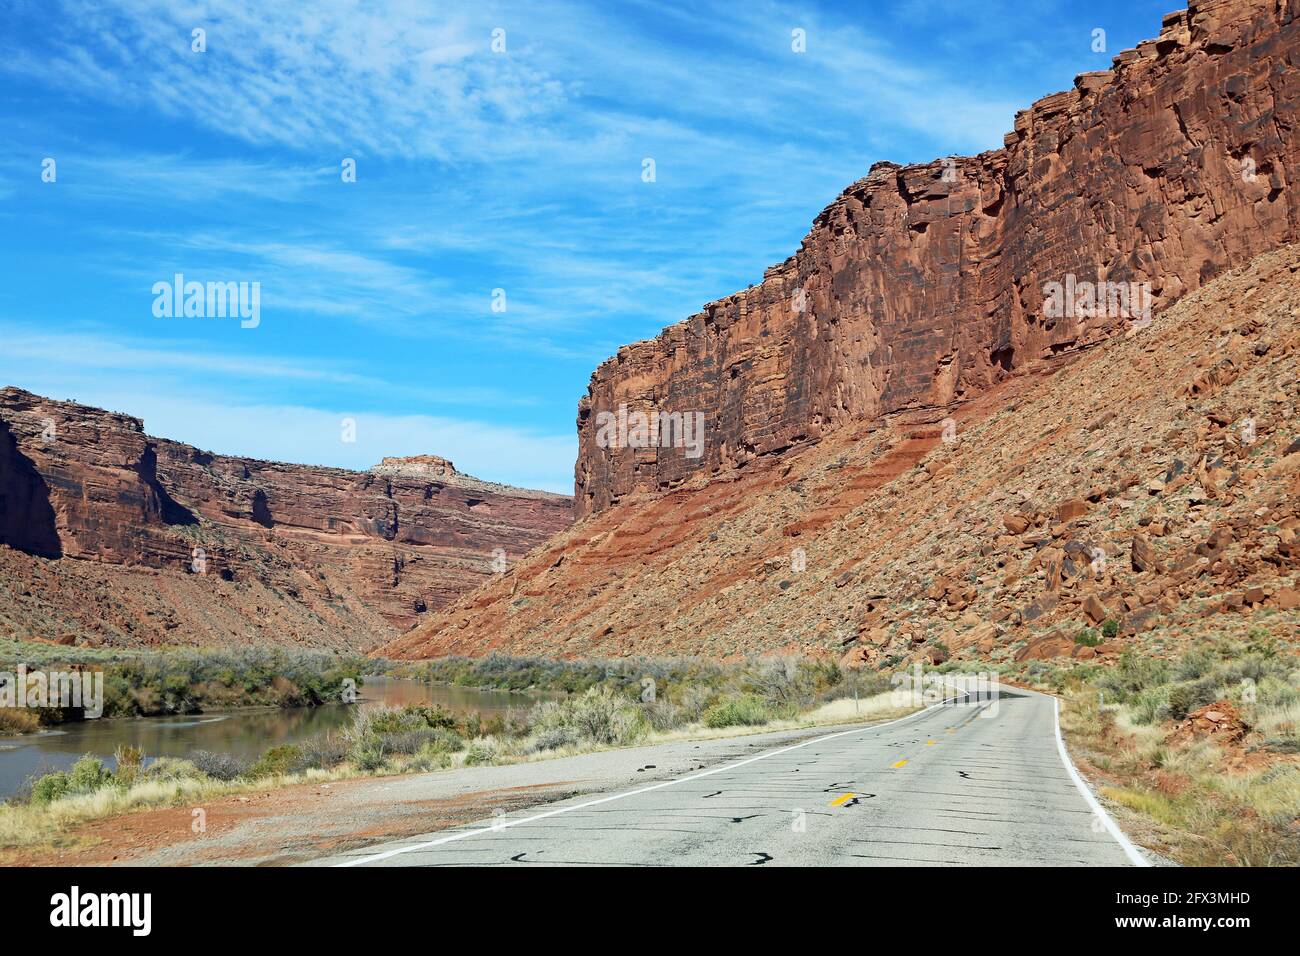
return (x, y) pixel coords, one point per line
(923, 286)
(343, 557)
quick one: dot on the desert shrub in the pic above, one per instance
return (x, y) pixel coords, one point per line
(218, 766)
(598, 716)
(664, 715)
(320, 753)
(388, 720)
(1110, 628)
(744, 710)
(1133, 673)
(442, 740)
(51, 787)
(1087, 637)
(480, 752)
(1184, 698)
(426, 738)
(1148, 705)
(88, 774)
(129, 761)
(18, 720)
(171, 768)
(552, 738)
(369, 755)
(277, 760)
(1194, 664)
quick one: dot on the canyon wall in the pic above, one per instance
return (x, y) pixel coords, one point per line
(923, 286)
(385, 546)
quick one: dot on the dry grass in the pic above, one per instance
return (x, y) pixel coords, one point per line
(17, 720)
(1195, 802)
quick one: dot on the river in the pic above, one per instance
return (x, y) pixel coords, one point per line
(245, 733)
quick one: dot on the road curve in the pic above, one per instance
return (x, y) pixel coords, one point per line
(982, 783)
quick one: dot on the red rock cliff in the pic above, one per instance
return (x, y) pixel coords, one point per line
(380, 547)
(924, 285)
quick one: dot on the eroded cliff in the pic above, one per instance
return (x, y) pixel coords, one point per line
(922, 286)
(182, 546)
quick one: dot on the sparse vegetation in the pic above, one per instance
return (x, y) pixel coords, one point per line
(614, 706)
(1206, 799)
(146, 684)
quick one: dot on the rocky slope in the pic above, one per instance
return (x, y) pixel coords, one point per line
(921, 286)
(1152, 480)
(110, 535)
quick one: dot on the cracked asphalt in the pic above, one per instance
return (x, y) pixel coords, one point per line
(960, 784)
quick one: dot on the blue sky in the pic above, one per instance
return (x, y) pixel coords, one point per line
(476, 170)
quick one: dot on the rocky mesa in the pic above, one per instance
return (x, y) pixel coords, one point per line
(110, 535)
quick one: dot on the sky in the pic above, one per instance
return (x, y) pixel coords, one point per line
(502, 234)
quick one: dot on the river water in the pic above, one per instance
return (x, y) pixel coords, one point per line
(245, 733)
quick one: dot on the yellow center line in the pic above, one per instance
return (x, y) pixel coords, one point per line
(895, 766)
(844, 799)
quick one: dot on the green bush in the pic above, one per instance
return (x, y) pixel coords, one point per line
(51, 787)
(1110, 628)
(598, 716)
(88, 774)
(1149, 705)
(1187, 697)
(281, 759)
(480, 752)
(1087, 637)
(745, 710)
(369, 756)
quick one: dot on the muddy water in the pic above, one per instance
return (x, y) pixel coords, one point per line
(245, 733)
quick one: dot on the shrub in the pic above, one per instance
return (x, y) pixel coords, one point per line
(406, 741)
(598, 716)
(745, 710)
(320, 753)
(1148, 705)
(480, 752)
(1185, 698)
(553, 738)
(171, 768)
(129, 761)
(1195, 663)
(1110, 628)
(88, 774)
(18, 720)
(218, 766)
(1087, 637)
(51, 787)
(369, 755)
(278, 760)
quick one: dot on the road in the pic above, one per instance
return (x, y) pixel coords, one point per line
(959, 784)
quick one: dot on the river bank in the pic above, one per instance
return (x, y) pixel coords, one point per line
(286, 820)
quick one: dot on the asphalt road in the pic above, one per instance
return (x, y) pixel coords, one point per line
(958, 784)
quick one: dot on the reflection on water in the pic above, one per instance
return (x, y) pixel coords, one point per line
(244, 733)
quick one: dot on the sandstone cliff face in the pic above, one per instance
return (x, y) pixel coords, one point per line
(1153, 481)
(922, 286)
(379, 548)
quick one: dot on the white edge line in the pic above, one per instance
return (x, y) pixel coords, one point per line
(1135, 856)
(498, 826)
